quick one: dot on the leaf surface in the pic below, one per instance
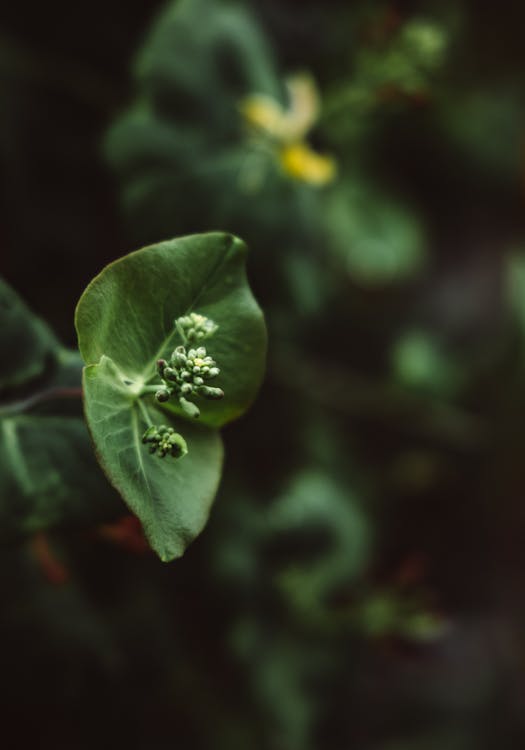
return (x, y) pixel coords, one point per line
(172, 497)
(127, 313)
(125, 323)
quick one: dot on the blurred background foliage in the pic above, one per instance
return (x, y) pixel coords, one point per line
(360, 582)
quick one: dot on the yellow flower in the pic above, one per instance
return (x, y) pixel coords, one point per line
(299, 161)
(285, 130)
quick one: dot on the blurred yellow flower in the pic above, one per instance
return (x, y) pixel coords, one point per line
(299, 161)
(285, 130)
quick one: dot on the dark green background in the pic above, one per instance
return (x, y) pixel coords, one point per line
(363, 493)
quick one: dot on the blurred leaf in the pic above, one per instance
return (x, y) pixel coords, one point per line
(203, 65)
(316, 505)
(407, 61)
(401, 65)
(27, 344)
(377, 239)
(391, 612)
(49, 475)
(419, 362)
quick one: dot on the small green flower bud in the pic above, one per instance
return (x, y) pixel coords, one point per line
(192, 353)
(170, 374)
(201, 352)
(161, 364)
(178, 445)
(209, 392)
(162, 395)
(150, 435)
(189, 408)
(165, 441)
(213, 372)
(185, 375)
(195, 327)
(197, 380)
(179, 358)
(186, 389)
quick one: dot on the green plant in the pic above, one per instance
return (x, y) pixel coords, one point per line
(160, 302)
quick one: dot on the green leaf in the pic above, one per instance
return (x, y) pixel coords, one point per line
(125, 323)
(203, 67)
(315, 502)
(26, 343)
(420, 362)
(49, 475)
(127, 314)
(172, 497)
(379, 240)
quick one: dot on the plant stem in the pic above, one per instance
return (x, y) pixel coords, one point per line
(149, 389)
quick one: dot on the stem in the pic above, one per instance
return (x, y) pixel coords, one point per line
(149, 389)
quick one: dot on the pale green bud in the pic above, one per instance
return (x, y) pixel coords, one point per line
(189, 408)
(209, 392)
(150, 435)
(162, 395)
(179, 447)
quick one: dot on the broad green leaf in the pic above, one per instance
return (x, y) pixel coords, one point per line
(127, 313)
(26, 343)
(125, 323)
(172, 497)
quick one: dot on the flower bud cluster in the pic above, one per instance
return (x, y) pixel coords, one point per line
(164, 440)
(185, 376)
(195, 327)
